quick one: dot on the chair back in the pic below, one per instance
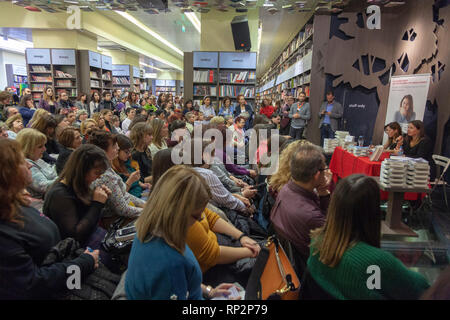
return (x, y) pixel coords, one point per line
(441, 161)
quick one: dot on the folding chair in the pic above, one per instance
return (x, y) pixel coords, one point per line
(445, 163)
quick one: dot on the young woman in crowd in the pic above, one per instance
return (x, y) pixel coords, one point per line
(207, 109)
(86, 128)
(94, 104)
(160, 134)
(188, 107)
(176, 203)
(69, 140)
(266, 109)
(178, 133)
(98, 117)
(227, 109)
(210, 249)
(131, 113)
(120, 203)
(43, 175)
(141, 135)
(393, 131)
(245, 111)
(26, 108)
(349, 243)
(128, 169)
(15, 124)
(416, 144)
(48, 101)
(28, 237)
(81, 102)
(132, 101)
(47, 125)
(116, 124)
(107, 115)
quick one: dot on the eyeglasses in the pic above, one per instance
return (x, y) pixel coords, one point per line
(324, 169)
(126, 151)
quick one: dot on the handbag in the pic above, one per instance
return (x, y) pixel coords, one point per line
(272, 277)
(119, 238)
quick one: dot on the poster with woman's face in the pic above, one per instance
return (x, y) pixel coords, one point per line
(407, 99)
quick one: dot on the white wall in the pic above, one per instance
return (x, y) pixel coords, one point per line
(7, 57)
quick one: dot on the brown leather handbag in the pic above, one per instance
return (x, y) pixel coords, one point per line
(272, 277)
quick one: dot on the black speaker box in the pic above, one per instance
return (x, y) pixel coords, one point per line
(241, 33)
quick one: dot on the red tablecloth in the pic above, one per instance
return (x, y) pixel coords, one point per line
(344, 163)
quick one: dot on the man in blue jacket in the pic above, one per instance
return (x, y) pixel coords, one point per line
(330, 114)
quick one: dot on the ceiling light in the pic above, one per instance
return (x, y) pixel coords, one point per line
(149, 31)
(194, 20)
(13, 45)
(149, 66)
(266, 4)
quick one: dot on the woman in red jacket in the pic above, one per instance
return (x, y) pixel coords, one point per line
(266, 108)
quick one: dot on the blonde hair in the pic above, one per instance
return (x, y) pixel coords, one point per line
(157, 126)
(179, 193)
(83, 126)
(29, 139)
(9, 122)
(217, 120)
(283, 175)
(38, 114)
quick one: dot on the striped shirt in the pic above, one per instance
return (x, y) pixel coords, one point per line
(221, 197)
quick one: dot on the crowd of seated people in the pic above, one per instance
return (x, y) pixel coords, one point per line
(200, 224)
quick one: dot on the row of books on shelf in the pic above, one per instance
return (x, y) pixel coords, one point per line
(167, 89)
(297, 42)
(95, 83)
(238, 77)
(137, 81)
(38, 87)
(121, 80)
(233, 91)
(204, 76)
(63, 83)
(39, 69)
(93, 74)
(106, 76)
(205, 91)
(41, 78)
(62, 74)
(72, 93)
(20, 79)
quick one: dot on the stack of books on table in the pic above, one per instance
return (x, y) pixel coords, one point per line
(418, 173)
(330, 144)
(360, 151)
(393, 173)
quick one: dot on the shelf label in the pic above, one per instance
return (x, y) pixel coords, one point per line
(206, 59)
(171, 83)
(121, 70)
(38, 56)
(238, 60)
(136, 72)
(307, 62)
(160, 83)
(106, 63)
(95, 59)
(63, 57)
(19, 70)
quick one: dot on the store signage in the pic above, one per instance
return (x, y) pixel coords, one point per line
(237, 60)
(150, 75)
(63, 57)
(38, 56)
(374, 18)
(136, 72)
(171, 83)
(206, 59)
(121, 70)
(19, 70)
(95, 59)
(160, 83)
(106, 62)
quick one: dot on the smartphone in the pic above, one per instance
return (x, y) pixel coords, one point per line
(124, 234)
(263, 184)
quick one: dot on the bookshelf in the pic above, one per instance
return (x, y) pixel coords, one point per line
(17, 77)
(65, 74)
(122, 76)
(107, 78)
(219, 74)
(39, 70)
(165, 86)
(91, 72)
(138, 83)
(291, 71)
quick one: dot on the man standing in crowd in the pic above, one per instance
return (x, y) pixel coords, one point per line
(298, 209)
(330, 114)
(64, 101)
(106, 102)
(300, 113)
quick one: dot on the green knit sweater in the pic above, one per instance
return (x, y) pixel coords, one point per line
(348, 280)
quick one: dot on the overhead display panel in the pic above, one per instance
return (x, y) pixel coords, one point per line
(237, 60)
(206, 59)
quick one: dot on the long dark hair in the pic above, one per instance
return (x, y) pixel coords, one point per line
(411, 105)
(394, 126)
(162, 161)
(24, 100)
(419, 126)
(124, 143)
(353, 216)
(80, 162)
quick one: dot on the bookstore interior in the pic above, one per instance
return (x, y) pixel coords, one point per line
(337, 120)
